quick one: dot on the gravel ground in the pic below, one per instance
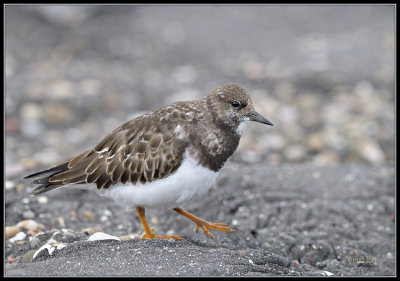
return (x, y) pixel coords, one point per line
(290, 220)
(314, 193)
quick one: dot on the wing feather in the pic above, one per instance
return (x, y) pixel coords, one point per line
(135, 152)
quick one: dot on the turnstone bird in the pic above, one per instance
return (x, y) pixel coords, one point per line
(163, 158)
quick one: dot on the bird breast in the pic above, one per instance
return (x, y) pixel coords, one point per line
(190, 181)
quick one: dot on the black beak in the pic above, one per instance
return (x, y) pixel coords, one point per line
(255, 116)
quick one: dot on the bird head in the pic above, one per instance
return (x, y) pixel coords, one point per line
(232, 107)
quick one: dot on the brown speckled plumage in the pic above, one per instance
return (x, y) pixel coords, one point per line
(151, 146)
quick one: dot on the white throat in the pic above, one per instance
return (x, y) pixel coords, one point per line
(242, 126)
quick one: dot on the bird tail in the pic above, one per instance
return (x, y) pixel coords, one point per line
(71, 171)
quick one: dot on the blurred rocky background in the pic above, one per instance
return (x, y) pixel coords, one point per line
(324, 75)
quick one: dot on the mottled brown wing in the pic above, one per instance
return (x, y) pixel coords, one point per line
(138, 151)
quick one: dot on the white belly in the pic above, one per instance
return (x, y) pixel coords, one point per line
(188, 182)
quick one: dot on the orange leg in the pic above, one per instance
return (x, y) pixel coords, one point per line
(149, 234)
(205, 225)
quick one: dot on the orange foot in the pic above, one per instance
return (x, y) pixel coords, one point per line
(149, 234)
(205, 225)
(154, 236)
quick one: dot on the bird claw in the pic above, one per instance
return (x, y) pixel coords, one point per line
(205, 225)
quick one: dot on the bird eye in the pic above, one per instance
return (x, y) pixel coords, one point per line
(235, 103)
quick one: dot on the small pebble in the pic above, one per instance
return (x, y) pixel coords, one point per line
(60, 221)
(13, 170)
(29, 163)
(60, 89)
(295, 152)
(43, 199)
(253, 70)
(315, 141)
(67, 231)
(28, 214)
(20, 187)
(32, 232)
(19, 236)
(73, 215)
(372, 152)
(57, 113)
(92, 230)
(50, 249)
(13, 125)
(90, 87)
(127, 237)
(30, 225)
(9, 185)
(35, 242)
(28, 257)
(326, 273)
(102, 236)
(61, 245)
(154, 220)
(11, 231)
(55, 234)
(89, 216)
(31, 111)
(107, 213)
(7, 252)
